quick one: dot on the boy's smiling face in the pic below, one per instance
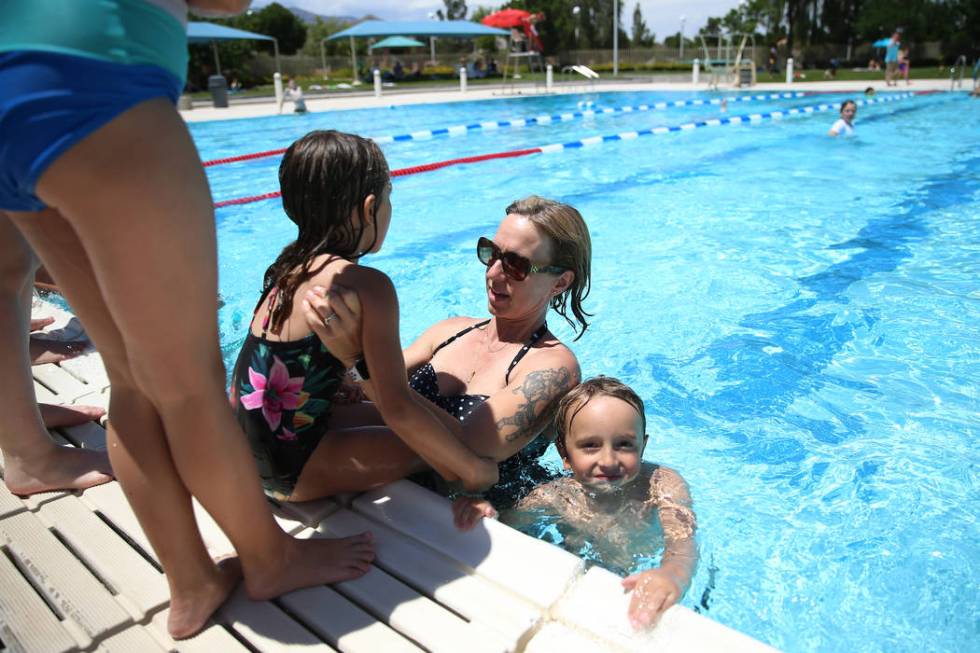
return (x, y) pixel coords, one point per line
(604, 442)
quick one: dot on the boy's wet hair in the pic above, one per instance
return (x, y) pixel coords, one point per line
(576, 399)
(324, 177)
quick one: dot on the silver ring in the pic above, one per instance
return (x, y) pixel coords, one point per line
(326, 320)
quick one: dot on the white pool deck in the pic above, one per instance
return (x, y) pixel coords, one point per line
(78, 574)
(398, 97)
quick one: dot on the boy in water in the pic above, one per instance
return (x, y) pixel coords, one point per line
(612, 492)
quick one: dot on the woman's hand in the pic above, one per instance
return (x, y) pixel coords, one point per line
(467, 511)
(653, 592)
(335, 317)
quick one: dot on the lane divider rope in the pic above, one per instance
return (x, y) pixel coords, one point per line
(597, 140)
(489, 125)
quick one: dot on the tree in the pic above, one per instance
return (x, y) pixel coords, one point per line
(455, 10)
(321, 29)
(641, 34)
(277, 21)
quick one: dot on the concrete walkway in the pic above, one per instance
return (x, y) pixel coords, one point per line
(251, 108)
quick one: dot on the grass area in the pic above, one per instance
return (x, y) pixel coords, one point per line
(330, 86)
(818, 75)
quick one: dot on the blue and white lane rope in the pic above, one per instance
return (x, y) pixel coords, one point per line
(597, 140)
(489, 125)
(716, 122)
(545, 119)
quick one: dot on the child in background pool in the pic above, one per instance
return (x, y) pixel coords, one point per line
(336, 188)
(612, 493)
(845, 124)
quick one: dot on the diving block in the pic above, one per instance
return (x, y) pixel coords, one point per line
(584, 71)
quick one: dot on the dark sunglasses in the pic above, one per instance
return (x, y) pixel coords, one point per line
(515, 266)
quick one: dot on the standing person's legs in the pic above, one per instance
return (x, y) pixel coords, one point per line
(32, 461)
(152, 485)
(150, 241)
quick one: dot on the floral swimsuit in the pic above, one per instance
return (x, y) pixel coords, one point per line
(281, 393)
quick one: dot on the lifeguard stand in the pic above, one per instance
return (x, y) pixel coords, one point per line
(512, 65)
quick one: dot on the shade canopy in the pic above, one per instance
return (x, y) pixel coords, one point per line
(396, 42)
(440, 28)
(200, 32)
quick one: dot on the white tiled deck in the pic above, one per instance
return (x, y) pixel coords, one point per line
(77, 574)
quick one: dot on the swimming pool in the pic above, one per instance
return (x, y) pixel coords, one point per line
(801, 315)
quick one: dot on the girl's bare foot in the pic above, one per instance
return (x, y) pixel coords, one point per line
(61, 468)
(317, 561)
(54, 351)
(190, 611)
(55, 416)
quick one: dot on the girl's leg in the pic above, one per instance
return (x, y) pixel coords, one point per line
(355, 460)
(135, 194)
(32, 461)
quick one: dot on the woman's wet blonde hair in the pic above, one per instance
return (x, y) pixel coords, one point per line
(576, 399)
(571, 248)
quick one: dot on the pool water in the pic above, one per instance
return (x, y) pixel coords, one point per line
(801, 315)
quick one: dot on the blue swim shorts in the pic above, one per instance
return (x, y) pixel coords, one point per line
(51, 101)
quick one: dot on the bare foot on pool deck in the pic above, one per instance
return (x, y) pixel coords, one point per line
(56, 416)
(62, 468)
(317, 561)
(190, 612)
(54, 351)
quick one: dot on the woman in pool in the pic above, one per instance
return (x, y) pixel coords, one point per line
(845, 124)
(494, 381)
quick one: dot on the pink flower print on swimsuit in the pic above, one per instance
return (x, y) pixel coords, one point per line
(274, 394)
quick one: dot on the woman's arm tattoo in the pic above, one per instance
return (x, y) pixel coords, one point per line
(542, 390)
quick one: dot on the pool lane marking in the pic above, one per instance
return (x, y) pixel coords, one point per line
(754, 118)
(491, 125)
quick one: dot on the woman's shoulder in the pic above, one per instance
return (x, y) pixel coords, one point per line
(552, 352)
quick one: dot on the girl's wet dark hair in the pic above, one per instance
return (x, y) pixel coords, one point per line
(843, 105)
(324, 177)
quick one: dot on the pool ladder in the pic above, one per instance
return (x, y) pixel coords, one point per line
(960, 66)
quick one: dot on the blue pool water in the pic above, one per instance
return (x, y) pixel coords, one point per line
(801, 315)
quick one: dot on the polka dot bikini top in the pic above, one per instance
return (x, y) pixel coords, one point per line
(425, 381)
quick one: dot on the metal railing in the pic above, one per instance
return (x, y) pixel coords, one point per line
(960, 65)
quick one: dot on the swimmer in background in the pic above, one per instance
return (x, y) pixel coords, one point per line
(869, 92)
(611, 495)
(724, 104)
(845, 124)
(294, 93)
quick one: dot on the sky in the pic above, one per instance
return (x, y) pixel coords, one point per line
(663, 17)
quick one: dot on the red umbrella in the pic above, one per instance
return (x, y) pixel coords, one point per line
(506, 18)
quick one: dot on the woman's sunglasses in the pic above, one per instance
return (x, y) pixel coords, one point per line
(515, 266)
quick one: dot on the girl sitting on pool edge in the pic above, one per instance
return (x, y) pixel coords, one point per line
(611, 491)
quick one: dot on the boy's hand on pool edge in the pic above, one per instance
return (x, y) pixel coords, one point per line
(467, 511)
(653, 591)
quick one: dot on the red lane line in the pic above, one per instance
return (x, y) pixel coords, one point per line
(401, 172)
(244, 157)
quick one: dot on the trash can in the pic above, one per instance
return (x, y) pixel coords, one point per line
(218, 86)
